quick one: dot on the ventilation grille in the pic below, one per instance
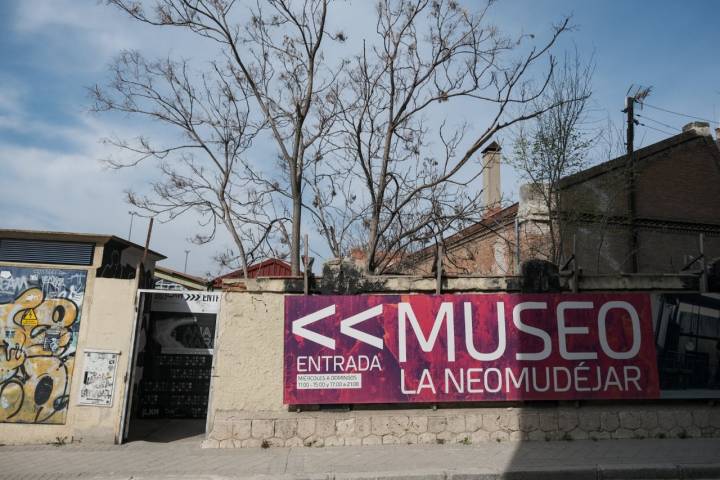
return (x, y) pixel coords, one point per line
(38, 251)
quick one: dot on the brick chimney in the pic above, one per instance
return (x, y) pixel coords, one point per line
(700, 128)
(491, 175)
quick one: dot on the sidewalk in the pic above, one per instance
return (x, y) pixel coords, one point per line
(184, 460)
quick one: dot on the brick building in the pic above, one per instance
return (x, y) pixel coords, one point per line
(651, 225)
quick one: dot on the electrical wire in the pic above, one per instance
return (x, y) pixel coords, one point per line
(656, 129)
(679, 114)
(658, 122)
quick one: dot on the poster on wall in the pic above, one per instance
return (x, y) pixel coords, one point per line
(687, 329)
(98, 378)
(184, 322)
(40, 313)
(475, 347)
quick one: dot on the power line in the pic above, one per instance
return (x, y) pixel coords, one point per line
(679, 114)
(656, 129)
(658, 122)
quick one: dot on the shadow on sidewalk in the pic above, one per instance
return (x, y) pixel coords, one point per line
(167, 430)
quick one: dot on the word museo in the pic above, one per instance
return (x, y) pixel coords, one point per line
(445, 315)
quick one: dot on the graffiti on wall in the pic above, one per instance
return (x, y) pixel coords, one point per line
(39, 323)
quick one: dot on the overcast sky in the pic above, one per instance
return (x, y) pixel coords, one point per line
(52, 50)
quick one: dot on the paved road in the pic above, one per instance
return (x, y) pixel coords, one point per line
(697, 458)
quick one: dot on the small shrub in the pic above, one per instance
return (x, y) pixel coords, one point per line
(440, 441)
(682, 434)
(265, 444)
(567, 437)
(465, 441)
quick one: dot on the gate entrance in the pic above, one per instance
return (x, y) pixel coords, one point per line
(174, 348)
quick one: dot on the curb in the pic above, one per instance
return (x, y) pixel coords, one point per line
(595, 472)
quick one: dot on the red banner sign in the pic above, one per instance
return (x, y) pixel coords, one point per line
(450, 348)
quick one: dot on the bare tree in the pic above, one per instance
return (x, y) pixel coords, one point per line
(270, 60)
(557, 143)
(205, 170)
(411, 173)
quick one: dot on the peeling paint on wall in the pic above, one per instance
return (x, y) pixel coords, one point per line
(39, 323)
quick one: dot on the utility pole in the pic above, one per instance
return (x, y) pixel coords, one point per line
(187, 252)
(630, 111)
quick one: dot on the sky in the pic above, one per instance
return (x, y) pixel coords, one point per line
(53, 177)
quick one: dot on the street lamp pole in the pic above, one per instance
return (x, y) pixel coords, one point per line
(132, 217)
(187, 252)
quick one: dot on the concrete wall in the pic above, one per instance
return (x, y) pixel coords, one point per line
(106, 323)
(249, 354)
(246, 404)
(465, 426)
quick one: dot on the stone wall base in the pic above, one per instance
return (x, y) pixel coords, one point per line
(466, 426)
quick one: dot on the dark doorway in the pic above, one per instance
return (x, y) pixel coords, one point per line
(174, 361)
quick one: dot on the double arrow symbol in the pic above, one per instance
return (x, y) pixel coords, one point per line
(346, 327)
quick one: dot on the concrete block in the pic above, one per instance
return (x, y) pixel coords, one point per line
(398, 425)
(286, 427)
(684, 418)
(345, 427)
(409, 439)
(491, 422)
(715, 417)
(314, 441)
(276, 442)
(251, 443)
(499, 436)
(473, 422)
(528, 421)
(294, 442)
(666, 420)
(222, 431)
(509, 421)
(241, 429)
(630, 420)
(372, 440)
(649, 420)
(363, 426)
(567, 420)
(537, 436)
(325, 426)
(262, 428)
(380, 425)
(589, 420)
(437, 424)
(334, 441)
(517, 436)
(418, 424)
(390, 439)
(353, 441)
(701, 418)
(623, 433)
(578, 434)
(306, 427)
(479, 436)
(456, 423)
(548, 422)
(609, 421)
